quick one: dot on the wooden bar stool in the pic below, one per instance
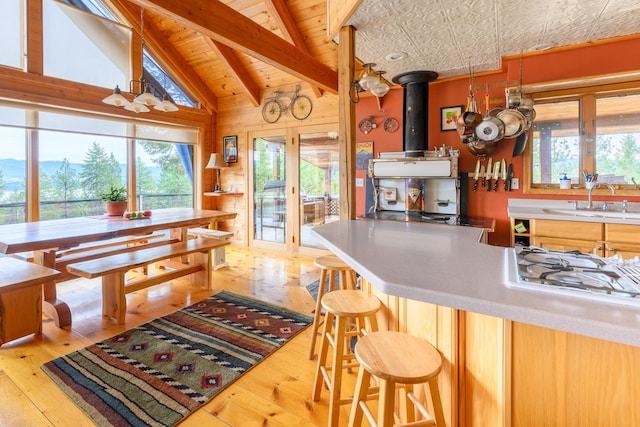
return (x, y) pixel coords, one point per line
(396, 358)
(347, 311)
(347, 277)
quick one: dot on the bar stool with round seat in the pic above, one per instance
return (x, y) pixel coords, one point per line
(347, 277)
(348, 313)
(396, 358)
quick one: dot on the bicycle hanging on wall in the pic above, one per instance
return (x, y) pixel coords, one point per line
(299, 105)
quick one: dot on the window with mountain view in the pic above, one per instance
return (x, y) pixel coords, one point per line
(592, 134)
(13, 166)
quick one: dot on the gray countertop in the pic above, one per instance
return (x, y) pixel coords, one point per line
(448, 266)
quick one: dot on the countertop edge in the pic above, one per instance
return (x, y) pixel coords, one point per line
(486, 272)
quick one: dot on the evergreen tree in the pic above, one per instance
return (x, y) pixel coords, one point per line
(174, 180)
(144, 179)
(99, 172)
(3, 186)
(65, 182)
(627, 156)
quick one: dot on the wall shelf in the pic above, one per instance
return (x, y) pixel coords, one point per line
(226, 193)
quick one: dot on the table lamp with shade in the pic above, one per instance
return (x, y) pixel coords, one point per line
(216, 162)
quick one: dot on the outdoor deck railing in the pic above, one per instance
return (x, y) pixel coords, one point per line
(12, 213)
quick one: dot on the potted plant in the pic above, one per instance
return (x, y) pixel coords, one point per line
(116, 200)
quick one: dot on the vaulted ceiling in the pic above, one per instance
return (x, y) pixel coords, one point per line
(217, 49)
(222, 48)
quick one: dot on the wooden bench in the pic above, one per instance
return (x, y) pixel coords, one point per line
(113, 269)
(21, 297)
(219, 256)
(98, 247)
(105, 248)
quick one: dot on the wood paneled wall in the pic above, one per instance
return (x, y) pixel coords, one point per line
(237, 116)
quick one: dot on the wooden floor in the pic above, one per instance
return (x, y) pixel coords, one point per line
(277, 392)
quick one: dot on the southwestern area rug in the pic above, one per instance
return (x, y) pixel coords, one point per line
(158, 373)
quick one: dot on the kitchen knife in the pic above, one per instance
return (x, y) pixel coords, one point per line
(476, 174)
(507, 182)
(488, 174)
(483, 175)
(496, 175)
(503, 172)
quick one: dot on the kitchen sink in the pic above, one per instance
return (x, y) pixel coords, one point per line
(593, 213)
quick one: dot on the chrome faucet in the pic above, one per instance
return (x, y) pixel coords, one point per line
(589, 202)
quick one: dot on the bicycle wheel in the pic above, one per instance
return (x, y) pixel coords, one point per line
(271, 111)
(301, 107)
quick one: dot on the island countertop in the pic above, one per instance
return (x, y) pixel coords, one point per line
(448, 266)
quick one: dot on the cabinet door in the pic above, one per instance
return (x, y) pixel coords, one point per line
(568, 229)
(623, 240)
(625, 250)
(561, 244)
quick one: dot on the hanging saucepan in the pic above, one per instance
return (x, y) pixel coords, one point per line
(525, 105)
(514, 122)
(491, 129)
(467, 121)
(514, 99)
(526, 108)
(481, 148)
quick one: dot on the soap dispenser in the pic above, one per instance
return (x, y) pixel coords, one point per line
(565, 182)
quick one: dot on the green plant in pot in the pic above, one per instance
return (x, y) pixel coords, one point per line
(116, 200)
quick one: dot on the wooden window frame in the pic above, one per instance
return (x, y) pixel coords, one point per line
(587, 95)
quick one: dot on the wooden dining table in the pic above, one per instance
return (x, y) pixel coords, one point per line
(46, 238)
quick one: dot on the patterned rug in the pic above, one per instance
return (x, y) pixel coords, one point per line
(158, 373)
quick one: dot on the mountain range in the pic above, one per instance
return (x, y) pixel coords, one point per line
(13, 171)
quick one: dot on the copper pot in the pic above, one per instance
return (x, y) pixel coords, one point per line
(467, 121)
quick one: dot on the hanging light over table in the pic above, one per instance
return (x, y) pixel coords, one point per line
(145, 96)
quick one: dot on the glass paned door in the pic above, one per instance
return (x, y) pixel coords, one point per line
(269, 185)
(319, 183)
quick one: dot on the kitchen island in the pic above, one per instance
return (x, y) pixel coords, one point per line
(513, 356)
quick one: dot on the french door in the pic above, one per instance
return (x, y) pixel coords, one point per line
(295, 187)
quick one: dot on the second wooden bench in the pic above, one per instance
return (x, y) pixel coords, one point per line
(113, 269)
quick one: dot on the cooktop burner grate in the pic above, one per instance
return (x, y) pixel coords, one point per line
(576, 273)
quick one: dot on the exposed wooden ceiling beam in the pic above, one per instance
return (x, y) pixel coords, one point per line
(227, 56)
(223, 24)
(287, 24)
(169, 57)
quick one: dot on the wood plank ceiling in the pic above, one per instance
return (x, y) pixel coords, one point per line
(216, 49)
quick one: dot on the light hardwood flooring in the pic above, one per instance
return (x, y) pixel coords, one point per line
(277, 392)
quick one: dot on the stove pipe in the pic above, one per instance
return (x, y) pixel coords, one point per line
(415, 108)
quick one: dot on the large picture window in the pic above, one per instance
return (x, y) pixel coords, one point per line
(81, 157)
(592, 134)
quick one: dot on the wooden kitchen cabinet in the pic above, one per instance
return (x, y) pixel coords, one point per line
(501, 373)
(474, 347)
(568, 235)
(564, 379)
(622, 239)
(589, 237)
(562, 244)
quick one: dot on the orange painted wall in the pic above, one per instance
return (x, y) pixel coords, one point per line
(561, 64)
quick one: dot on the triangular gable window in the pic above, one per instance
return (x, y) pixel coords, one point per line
(153, 73)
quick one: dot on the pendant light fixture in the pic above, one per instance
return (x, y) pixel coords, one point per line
(145, 95)
(369, 80)
(368, 77)
(381, 88)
